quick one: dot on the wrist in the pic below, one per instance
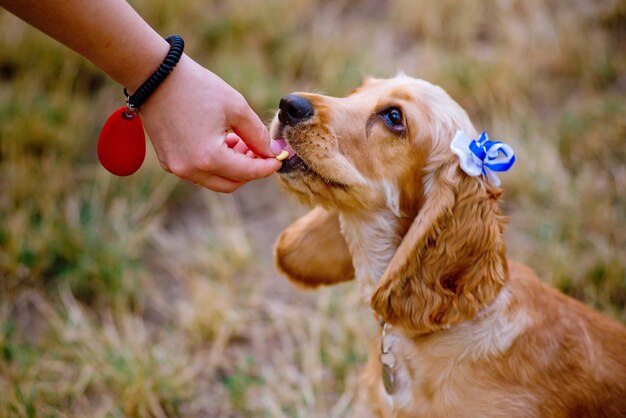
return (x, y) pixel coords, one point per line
(141, 94)
(137, 66)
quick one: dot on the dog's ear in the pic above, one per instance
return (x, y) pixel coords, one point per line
(451, 261)
(312, 252)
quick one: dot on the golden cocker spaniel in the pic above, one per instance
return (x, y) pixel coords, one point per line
(464, 331)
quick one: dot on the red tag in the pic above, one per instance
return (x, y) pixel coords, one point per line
(122, 144)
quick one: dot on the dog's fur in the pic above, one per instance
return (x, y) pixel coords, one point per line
(475, 334)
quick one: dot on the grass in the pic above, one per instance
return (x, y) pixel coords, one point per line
(144, 296)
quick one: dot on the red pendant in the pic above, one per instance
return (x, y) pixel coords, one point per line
(122, 143)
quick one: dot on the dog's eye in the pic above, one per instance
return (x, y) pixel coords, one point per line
(393, 118)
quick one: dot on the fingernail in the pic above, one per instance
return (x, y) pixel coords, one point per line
(275, 147)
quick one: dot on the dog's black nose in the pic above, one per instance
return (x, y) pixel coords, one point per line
(294, 109)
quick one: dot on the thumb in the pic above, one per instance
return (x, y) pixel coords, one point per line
(247, 125)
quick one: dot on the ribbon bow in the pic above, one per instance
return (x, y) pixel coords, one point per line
(482, 156)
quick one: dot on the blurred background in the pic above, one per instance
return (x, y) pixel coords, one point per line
(145, 296)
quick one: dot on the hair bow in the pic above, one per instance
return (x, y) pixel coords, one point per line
(482, 156)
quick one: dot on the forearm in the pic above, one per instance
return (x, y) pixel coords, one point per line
(109, 33)
(193, 143)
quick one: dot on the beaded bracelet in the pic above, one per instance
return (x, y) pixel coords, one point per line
(122, 142)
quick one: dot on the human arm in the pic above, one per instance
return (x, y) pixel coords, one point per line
(188, 117)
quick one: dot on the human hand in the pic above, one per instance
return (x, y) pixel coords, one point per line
(189, 119)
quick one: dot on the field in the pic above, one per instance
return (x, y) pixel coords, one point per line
(149, 297)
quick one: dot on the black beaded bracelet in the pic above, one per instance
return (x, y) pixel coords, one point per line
(134, 101)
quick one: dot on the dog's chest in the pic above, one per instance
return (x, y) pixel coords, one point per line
(427, 380)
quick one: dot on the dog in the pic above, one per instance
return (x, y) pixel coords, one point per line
(464, 331)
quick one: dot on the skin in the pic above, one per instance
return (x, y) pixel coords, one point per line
(201, 128)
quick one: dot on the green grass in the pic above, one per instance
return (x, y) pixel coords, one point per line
(144, 296)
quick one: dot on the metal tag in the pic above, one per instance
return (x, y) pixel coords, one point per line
(389, 379)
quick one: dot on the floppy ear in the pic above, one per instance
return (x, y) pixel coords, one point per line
(312, 252)
(451, 261)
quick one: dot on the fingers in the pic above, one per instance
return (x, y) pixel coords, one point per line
(233, 160)
(236, 144)
(247, 125)
(235, 168)
(216, 183)
(222, 168)
(243, 166)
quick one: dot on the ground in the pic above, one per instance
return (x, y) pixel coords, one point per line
(146, 296)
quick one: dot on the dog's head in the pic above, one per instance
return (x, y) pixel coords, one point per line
(386, 147)
(368, 150)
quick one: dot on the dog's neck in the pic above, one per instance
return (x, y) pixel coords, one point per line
(372, 239)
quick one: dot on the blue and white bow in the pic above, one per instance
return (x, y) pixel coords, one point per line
(482, 156)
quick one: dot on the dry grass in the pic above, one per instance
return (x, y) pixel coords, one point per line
(146, 297)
